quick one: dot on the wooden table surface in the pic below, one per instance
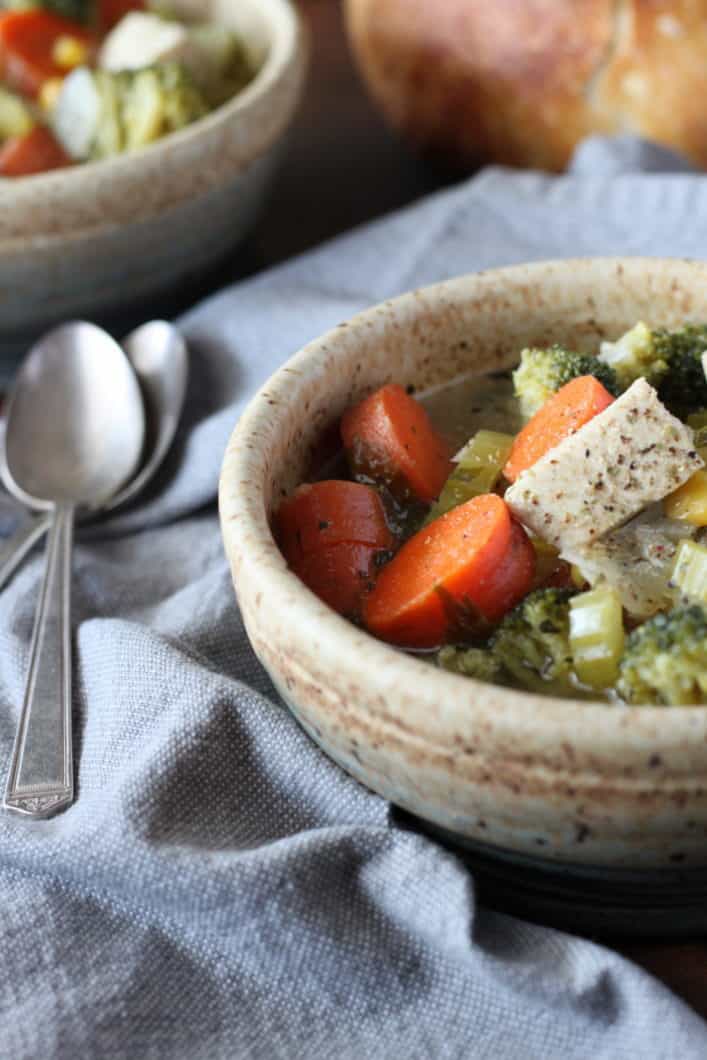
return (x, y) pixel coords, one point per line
(344, 167)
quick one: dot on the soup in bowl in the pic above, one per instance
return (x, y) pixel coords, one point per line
(569, 767)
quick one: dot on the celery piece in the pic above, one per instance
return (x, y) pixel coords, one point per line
(478, 468)
(690, 571)
(596, 636)
(143, 110)
(485, 449)
(698, 422)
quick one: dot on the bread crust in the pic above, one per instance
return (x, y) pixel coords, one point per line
(522, 81)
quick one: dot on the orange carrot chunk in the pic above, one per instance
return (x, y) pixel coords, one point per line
(564, 413)
(34, 152)
(27, 40)
(340, 575)
(389, 438)
(513, 577)
(322, 514)
(474, 558)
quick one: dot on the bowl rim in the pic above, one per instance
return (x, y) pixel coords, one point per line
(259, 568)
(286, 55)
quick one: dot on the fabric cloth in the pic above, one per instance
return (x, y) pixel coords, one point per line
(220, 889)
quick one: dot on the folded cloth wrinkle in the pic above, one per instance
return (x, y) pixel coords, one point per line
(221, 890)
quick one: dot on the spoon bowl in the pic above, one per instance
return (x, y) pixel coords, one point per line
(158, 354)
(73, 420)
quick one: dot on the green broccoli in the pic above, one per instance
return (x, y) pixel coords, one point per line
(471, 662)
(634, 356)
(101, 114)
(671, 361)
(532, 642)
(665, 660)
(684, 387)
(158, 100)
(541, 372)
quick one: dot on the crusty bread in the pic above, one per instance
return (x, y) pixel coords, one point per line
(522, 81)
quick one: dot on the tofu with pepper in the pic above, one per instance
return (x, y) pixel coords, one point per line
(630, 455)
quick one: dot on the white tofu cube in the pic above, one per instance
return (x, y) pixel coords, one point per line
(630, 455)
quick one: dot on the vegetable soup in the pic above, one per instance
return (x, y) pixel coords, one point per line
(545, 529)
(82, 80)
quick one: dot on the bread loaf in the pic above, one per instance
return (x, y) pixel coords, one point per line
(522, 81)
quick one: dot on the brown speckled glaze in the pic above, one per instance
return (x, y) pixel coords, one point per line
(574, 781)
(85, 239)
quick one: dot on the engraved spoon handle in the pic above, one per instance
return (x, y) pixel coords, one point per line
(41, 779)
(22, 541)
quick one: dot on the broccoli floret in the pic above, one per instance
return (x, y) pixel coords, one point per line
(635, 356)
(100, 114)
(532, 642)
(229, 67)
(671, 361)
(684, 387)
(542, 372)
(471, 662)
(665, 660)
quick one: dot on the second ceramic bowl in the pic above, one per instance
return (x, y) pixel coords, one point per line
(81, 241)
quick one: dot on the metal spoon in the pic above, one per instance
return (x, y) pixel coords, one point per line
(158, 355)
(74, 435)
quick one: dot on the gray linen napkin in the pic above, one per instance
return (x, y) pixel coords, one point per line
(220, 889)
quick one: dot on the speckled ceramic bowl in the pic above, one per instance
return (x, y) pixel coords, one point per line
(586, 789)
(81, 241)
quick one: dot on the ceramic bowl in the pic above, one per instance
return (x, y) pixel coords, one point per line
(84, 240)
(540, 780)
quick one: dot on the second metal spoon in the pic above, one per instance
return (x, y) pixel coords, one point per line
(159, 358)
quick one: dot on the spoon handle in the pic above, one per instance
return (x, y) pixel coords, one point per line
(22, 541)
(41, 779)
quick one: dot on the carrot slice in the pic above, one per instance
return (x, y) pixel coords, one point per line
(340, 575)
(27, 40)
(475, 557)
(322, 514)
(564, 413)
(34, 152)
(389, 438)
(513, 577)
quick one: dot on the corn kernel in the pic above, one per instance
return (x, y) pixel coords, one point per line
(69, 52)
(49, 93)
(689, 501)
